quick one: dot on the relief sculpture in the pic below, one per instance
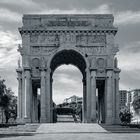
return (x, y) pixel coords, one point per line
(89, 40)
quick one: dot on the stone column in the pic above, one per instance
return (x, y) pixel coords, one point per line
(43, 96)
(19, 103)
(109, 98)
(27, 95)
(34, 105)
(88, 94)
(117, 109)
(23, 95)
(93, 96)
(48, 97)
(84, 102)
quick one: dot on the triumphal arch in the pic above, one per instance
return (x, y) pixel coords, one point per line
(86, 41)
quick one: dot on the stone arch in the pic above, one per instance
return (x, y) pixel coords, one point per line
(74, 49)
(70, 57)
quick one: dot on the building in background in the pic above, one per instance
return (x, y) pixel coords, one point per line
(123, 99)
(134, 95)
(73, 98)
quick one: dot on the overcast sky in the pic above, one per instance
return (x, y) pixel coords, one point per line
(127, 19)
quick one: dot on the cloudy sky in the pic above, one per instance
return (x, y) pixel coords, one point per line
(127, 19)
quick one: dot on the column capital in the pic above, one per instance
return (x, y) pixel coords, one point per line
(43, 69)
(27, 69)
(117, 70)
(19, 70)
(83, 80)
(19, 74)
(93, 73)
(87, 69)
(109, 73)
(93, 69)
(109, 69)
(27, 73)
(49, 70)
(19, 78)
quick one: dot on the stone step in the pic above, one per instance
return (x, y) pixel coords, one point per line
(65, 118)
(120, 129)
(20, 128)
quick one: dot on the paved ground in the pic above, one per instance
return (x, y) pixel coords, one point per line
(73, 131)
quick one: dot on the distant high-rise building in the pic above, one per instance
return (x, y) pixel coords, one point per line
(129, 99)
(123, 98)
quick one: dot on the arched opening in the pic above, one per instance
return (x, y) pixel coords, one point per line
(67, 93)
(69, 103)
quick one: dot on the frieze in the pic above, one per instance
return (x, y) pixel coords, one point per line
(51, 40)
(42, 49)
(94, 50)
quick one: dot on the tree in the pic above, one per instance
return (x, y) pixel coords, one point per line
(2, 87)
(125, 116)
(9, 105)
(136, 105)
(8, 102)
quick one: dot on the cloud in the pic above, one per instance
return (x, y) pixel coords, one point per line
(102, 9)
(129, 79)
(129, 56)
(127, 17)
(7, 39)
(20, 7)
(8, 47)
(9, 16)
(66, 84)
(8, 58)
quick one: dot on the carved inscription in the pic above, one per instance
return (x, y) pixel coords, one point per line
(69, 22)
(89, 40)
(42, 49)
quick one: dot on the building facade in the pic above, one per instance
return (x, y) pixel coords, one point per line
(86, 41)
(73, 98)
(123, 99)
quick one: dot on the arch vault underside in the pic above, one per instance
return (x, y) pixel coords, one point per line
(86, 41)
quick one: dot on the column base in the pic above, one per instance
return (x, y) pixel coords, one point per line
(109, 120)
(43, 120)
(27, 120)
(20, 121)
(117, 121)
